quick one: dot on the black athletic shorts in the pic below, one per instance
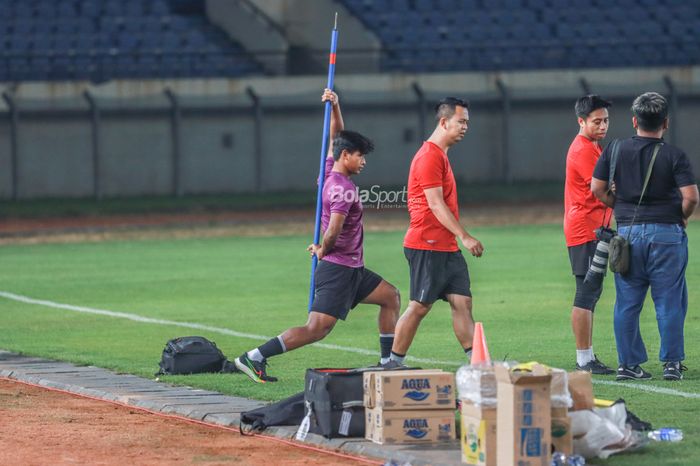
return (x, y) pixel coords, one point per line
(340, 288)
(581, 256)
(435, 274)
(587, 294)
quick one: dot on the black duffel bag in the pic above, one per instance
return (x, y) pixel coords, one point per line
(193, 355)
(333, 401)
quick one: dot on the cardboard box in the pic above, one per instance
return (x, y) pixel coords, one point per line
(409, 389)
(524, 418)
(562, 438)
(418, 426)
(478, 435)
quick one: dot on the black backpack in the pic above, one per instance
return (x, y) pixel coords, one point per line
(193, 355)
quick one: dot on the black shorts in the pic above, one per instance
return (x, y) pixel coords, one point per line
(435, 274)
(340, 288)
(581, 256)
(587, 294)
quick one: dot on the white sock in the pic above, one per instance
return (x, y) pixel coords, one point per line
(585, 356)
(395, 357)
(255, 355)
(383, 360)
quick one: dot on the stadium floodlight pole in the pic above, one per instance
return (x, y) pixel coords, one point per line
(324, 151)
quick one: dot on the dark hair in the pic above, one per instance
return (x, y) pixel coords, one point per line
(651, 109)
(447, 107)
(589, 103)
(351, 141)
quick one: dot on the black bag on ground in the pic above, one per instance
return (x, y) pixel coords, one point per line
(287, 412)
(193, 355)
(334, 402)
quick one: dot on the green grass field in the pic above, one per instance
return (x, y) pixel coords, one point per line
(258, 287)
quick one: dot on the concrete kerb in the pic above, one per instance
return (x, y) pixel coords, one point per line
(201, 405)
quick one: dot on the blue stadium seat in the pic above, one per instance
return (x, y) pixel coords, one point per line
(159, 8)
(66, 9)
(19, 43)
(23, 10)
(63, 44)
(89, 9)
(46, 9)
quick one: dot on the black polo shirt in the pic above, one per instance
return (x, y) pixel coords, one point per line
(662, 200)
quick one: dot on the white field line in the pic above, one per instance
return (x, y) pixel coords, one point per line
(643, 386)
(196, 326)
(648, 388)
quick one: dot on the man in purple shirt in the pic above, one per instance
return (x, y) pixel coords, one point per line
(342, 281)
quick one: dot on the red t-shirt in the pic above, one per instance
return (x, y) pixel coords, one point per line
(583, 212)
(430, 168)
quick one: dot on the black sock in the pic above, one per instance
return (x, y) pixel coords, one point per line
(386, 341)
(467, 350)
(273, 347)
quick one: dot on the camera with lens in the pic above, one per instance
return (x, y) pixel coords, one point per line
(596, 271)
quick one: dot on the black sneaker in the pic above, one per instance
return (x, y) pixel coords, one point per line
(595, 367)
(392, 365)
(253, 369)
(673, 370)
(632, 373)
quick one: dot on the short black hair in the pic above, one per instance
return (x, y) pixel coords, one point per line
(590, 103)
(448, 106)
(351, 141)
(651, 109)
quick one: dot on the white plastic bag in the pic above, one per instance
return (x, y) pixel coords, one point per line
(602, 432)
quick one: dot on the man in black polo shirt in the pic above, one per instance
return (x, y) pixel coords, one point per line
(658, 241)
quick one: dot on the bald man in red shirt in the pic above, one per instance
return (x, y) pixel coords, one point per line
(437, 267)
(583, 214)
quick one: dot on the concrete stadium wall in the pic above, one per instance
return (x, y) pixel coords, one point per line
(5, 162)
(218, 145)
(54, 158)
(209, 166)
(135, 157)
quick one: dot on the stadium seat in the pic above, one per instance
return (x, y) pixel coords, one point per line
(550, 27)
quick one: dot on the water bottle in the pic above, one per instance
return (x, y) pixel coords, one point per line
(575, 460)
(561, 459)
(666, 434)
(558, 459)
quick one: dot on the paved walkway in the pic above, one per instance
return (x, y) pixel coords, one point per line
(202, 405)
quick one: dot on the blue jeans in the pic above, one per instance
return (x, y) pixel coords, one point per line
(658, 258)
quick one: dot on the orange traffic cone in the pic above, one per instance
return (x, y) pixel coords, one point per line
(480, 352)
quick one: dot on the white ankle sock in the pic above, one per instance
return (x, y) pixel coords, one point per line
(255, 355)
(395, 357)
(583, 357)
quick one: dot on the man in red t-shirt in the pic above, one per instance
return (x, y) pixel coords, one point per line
(437, 268)
(583, 214)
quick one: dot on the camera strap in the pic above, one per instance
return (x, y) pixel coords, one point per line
(644, 188)
(614, 151)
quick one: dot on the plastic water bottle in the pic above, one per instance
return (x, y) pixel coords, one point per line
(558, 459)
(666, 434)
(575, 460)
(561, 459)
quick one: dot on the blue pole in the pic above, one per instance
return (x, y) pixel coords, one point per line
(324, 153)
